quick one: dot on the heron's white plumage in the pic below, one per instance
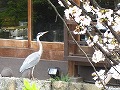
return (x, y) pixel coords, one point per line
(30, 61)
(33, 58)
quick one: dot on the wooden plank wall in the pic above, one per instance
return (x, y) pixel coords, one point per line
(19, 48)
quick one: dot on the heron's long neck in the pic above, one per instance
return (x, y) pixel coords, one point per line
(40, 46)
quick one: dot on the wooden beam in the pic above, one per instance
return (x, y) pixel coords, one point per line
(29, 22)
(77, 2)
(71, 68)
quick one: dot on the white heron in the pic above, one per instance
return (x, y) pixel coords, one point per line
(32, 60)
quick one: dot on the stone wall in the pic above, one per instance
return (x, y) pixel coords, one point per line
(17, 84)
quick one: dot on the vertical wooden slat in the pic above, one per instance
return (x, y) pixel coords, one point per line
(29, 22)
(72, 69)
(65, 42)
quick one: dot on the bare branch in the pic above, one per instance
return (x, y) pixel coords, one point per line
(94, 3)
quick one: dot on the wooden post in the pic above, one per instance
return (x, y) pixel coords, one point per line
(72, 69)
(29, 22)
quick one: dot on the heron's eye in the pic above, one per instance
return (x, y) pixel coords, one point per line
(38, 34)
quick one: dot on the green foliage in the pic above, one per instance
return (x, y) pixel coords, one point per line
(28, 86)
(65, 78)
(13, 12)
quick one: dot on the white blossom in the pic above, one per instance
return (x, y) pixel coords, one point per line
(99, 76)
(108, 34)
(105, 14)
(74, 11)
(87, 7)
(86, 21)
(99, 84)
(110, 46)
(67, 12)
(90, 43)
(95, 38)
(117, 27)
(108, 42)
(117, 19)
(100, 26)
(100, 15)
(109, 16)
(81, 0)
(61, 4)
(68, 2)
(98, 56)
(105, 40)
(118, 12)
(115, 70)
(77, 19)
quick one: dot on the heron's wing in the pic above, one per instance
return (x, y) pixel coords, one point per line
(32, 57)
(30, 61)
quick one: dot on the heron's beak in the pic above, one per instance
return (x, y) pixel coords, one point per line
(45, 32)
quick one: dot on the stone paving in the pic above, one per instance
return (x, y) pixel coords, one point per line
(41, 69)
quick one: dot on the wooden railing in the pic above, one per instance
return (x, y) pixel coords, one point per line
(73, 53)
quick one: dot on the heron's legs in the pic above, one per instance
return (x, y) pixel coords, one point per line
(32, 72)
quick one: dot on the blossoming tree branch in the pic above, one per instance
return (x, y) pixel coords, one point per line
(90, 16)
